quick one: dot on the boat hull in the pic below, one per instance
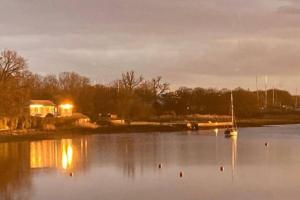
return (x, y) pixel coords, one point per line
(230, 133)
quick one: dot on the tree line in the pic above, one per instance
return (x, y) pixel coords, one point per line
(131, 96)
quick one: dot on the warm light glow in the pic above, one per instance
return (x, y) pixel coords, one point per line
(67, 154)
(63, 155)
(64, 161)
(233, 153)
(42, 154)
(216, 131)
(66, 106)
(36, 106)
(189, 125)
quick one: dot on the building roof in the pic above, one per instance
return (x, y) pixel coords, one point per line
(42, 102)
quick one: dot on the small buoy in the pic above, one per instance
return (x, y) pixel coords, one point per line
(221, 168)
(71, 174)
(159, 166)
(266, 144)
(181, 174)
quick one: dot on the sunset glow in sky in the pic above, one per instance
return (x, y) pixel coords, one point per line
(207, 43)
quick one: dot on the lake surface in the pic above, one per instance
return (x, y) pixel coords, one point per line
(126, 166)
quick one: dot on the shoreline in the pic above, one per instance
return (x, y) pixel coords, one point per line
(23, 135)
(78, 132)
(256, 122)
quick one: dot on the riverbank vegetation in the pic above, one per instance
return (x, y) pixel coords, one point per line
(131, 97)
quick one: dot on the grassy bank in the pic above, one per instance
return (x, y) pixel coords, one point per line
(77, 132)
(270, 120)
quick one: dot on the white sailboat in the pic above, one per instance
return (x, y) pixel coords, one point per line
(232, 131)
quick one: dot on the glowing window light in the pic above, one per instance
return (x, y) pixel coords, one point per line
(66, 106)
(36, 106)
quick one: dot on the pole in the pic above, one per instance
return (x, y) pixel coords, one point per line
(296, 103)
(273, 96)
(257, 94)
(266, 92)
(232, 109)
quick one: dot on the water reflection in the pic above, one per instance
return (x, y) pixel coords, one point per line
(43, 154)
(233, 154)
(14, 171)
(18, 161)
(216, 130)
(67, 154)
(132, 155)
(59, 154)
(28, 170)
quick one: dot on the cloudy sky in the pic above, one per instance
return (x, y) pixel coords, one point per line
(208, 43)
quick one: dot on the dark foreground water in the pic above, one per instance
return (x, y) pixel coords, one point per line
(125, 166)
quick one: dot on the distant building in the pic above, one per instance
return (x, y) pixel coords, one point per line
(42, 108)
(80, 118)
(65, 110)
(109, 118)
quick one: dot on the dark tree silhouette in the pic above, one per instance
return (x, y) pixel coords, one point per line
(11, 65)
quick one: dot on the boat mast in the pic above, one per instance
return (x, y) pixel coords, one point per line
(296, 102)
(232, 109)
(266, 92)
(257, 93)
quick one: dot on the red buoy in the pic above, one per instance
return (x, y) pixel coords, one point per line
(221, 168)
(181, 174)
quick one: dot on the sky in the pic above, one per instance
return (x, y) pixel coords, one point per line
(194, 43)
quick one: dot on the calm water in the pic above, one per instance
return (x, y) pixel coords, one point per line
(125, 166)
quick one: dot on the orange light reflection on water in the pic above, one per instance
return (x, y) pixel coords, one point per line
(58, 154)
(67, 153)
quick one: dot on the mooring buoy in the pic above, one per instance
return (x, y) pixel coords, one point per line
(180, 174)
(221, 168)
(266, 144)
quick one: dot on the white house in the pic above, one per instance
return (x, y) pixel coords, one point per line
(42, 108)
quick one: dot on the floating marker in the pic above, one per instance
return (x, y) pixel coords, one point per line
(181, 174)
(266, 144)
(159, 166)
(221, 168)
(71, 174)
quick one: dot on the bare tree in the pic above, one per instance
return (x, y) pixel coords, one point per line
(158, 87)
(130, 80)
(13, 84)
(11, 65)
(70, 81)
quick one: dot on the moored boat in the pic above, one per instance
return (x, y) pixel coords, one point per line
(231, 131)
